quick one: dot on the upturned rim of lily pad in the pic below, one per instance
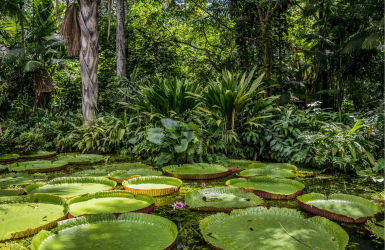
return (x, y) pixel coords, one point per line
(169, 171)
(83, 159)
(276, 173)
(41, 154)
(267, 195)
(155, 220)
(177, 183)
(36, 198)
(303, 199)
(132, 173)
(112, 194)
(9, 157)
(332, 228)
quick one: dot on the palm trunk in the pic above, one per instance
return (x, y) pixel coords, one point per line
(88, 21)
(120, 40)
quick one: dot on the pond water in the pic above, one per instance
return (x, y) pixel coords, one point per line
(187, 221)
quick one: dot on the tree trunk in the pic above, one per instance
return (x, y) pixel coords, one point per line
(88, 21)
(22, 24)
(120, 40)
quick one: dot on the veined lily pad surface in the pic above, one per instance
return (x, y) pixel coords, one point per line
(116, 202)
(267, 172)
(69, 187)
(242, 164)
(269, 187)
(257, 165)
(126, 166)
(26, 215)
(196, 171)
(154, 185)
(91, 173)
(122, 175)
(83, 159)
(9, 157)
(376, 228)
(221, 199)
(10, 192)
(13, 179)
(39, 155)
(340, 207)
(38, 166)
(103, 231)
(275, 228)
(281, 166)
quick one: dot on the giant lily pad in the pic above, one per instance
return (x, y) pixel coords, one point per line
(13, 179)
(280, 166)
(91, 173)
(197, 171)
(221, 199)
(38, 166)
(83, 159)
(267, 172)
(125, 166)
(103, 231)
(10, 192)
(2, 168)
(116, 202)
(9, 157)
(26, 215)
(69, 187)
(257, 165)
(241, 164)
(39, 155)
(153, 185)
(123, 175)
(269, 187)
(340, 207)
(275, 228)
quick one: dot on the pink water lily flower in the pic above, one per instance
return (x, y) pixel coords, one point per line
(203, 185)
(178, 205)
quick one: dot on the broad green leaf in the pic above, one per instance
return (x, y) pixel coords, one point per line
(380, 165)
(181, 148)
(370, 157)
(134, 140)
(193, 126)
(189, 135)
(169, 123)
(156, 138)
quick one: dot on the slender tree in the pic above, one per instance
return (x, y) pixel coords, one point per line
(120, 40)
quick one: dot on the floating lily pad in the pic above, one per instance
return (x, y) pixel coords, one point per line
(257, 165)
(83, 159)
(9, 157)
(116, 202)
(302, 171)
(69, 187)
(13, 179)
(376, 228)
(26, 215)
(39, 155)
(267, 172)
(275, 228)
(221, 199)
(38, 166)
(199, 171)
(125, 166)
(241, 164)
(154, 185)
(103, 231)
(123, 175)
(2, 168)
(91, 173)
(269, 187)
(10, 192)
(340, 207)
(281, 166)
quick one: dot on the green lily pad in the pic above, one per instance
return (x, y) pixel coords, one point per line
(26, 215)
(9, 157)
(275, 228)
(3, 168)
(340, 207)
(196, 171)
(257, 165)
(38, 166)
(267, 172)
(153, 185)
(110, 202)
(69, 187)
(269, 187)
(281, 166)
(13, 179)
(241, 164)
(103, 231)
(10, 192)
(376, 228)
(221, 199)
(38, 155)
(125, 166)
(83, 159)
(91, 173)
(122, 175)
